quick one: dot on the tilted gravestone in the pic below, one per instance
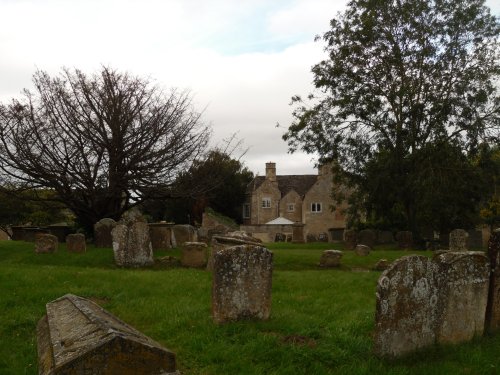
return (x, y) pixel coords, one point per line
(463, 279)
(76, 336)
(45, 243)
(241, 284)
(75, 243)
(350, 239)
(194, 254)
(131, 242)
(421, 302)
(330, 258)
(102, 232)
(493, 309)
(458, 240)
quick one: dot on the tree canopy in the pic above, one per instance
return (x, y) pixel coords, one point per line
(103, 143)
(406, 85)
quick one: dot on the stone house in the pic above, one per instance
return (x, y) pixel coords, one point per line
(304, 199)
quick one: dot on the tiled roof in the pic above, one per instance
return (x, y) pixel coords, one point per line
(300, 183)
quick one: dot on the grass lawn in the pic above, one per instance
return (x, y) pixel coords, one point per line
(321, 319)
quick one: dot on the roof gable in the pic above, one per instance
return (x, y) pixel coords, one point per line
(300, 183)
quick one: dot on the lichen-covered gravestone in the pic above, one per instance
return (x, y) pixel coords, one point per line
(330, 258)
(493, 309)
(458, 240)
(194, 254)
(131, 242)
(362, 250)
(79, 337)
(75, 243)
(102, 232)
(463, 295)
(161, 235)
(407, 296)
(229, 240)
(45, 243)
(241, 285)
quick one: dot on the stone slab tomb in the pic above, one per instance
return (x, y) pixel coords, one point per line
(330, 258)
(75, 243)
(194, 254)
(45, 243)
(131, 242)
(422, 302)
(458, 240)
(241, 284)
(102, 232)
(76, 336)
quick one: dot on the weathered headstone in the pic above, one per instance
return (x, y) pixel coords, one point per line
(458, 240)
(131, 242)
(367, 237)
(184, 233)
(493, 308)
(75, 243)
(45, 243)
(223, 242)
(102, 232)
(79, 337)
(194, 254)
(475, 239)
(362, 250)
(330, 258)
(161, 235)
(241, 286)
(350, 239)
(463, 294)
(404, 239)
(406, 308)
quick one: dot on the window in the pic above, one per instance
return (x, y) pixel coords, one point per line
(246, 211)
(290, 207)
(266, 202)
(315, 207)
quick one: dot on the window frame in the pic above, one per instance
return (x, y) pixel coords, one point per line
(316, 207)
(265, 202)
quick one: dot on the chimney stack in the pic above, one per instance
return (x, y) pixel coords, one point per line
(271, 171)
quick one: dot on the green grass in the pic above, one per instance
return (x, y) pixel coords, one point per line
(321, 321)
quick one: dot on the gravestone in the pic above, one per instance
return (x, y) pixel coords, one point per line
(45, 243)
(194, 254)
(223, 242)
(381, 265)
(404, 239)
(475, 240)
(102, 232)
(76, 336)
(160, 235)
(131, 242)
(350, 239)
(75, 243)
(458, 240)
(367, 237)
(493, 308)
(59, 230)
(406, 308)
(362, 250)
(241, 284)
(330, 258)
(463, 294)
(184, 233)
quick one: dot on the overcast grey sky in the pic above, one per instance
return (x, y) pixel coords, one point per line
(242, 60)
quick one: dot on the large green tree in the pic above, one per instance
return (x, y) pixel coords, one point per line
(403, 78)
(102, 143)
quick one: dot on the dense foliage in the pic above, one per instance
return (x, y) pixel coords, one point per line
(404, 101)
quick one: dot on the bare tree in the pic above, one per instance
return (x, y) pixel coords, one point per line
(103, 143)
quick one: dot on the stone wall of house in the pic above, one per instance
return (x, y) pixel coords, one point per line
(259, 214)
(320, 222)
(292, 197)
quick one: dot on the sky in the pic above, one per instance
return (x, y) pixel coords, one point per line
(241, 60)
